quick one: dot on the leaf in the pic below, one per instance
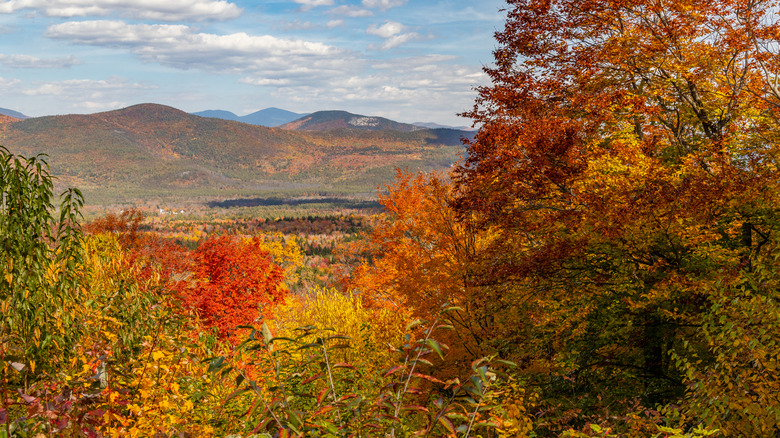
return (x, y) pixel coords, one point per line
(434, 344)
(414, 408)
(267, 337)
(27, 398)
(216, 363)
(313, 378)
(393, 370)
(321, 396)
(427, 377)
(452, 309)
(482, 372)
(413, 324)
(424, 361)
(486, 424)
(508, 363)
(317, 344)
(456, 416)
(323, 410)
(344, 365)
(444, 421)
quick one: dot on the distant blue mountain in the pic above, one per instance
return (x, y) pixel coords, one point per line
(271, 117)
(438, 126)
(12, 113)
(217, 114)
(266, 117)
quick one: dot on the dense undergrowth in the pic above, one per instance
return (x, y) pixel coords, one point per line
(109, 330)
(112, 331)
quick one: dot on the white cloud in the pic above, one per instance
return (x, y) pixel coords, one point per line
(351, 11)
(386, 30)
(26, 61)
(168, 10)
(90, 95)
(418, 89)
(383, 4)
(84, 88)
(308, 4)
(8, 83)
(391, 31)
(180, 47)
(397, 40)
(265, 81)
(334, 23)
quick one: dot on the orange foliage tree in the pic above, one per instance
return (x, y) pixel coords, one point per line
(628, 157)
(233, 282)
(420, 257)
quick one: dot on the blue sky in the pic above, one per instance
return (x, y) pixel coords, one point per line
(408, 60)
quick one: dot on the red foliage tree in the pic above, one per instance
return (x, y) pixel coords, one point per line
(235, 280)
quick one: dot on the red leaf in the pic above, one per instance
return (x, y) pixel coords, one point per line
(393, 370)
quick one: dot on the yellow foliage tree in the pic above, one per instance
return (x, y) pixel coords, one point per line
(371, 331)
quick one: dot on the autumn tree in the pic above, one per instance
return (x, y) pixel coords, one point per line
(419, 257)
(147, 252)
(628, 158)
(39, 252)
(233, 282)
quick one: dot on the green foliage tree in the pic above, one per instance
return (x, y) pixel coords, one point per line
(39, 253)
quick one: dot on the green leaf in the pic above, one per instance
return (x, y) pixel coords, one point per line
(434, 344)
(508, 363)
(482, 372)
(413, 324)
(216, 363)
(456, 416)
(485, 424)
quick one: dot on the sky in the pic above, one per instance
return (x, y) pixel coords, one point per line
(407, 60)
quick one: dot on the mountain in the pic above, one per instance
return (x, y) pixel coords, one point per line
(330, 120)
(12, 113)
(438, 126)
(7, 119)
(218, 114)
(270, 117)
(153, 150)
(267, 117)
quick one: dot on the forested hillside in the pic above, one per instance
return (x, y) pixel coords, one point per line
(604, 263)
(148, 149)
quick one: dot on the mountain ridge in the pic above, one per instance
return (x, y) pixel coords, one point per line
(337, 119)
(269, 117)
(12, 113)
(151, 149)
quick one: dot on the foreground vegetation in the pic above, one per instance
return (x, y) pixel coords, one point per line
(604, 264)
